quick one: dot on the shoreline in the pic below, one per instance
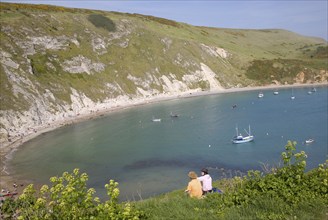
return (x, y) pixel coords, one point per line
(7, 150)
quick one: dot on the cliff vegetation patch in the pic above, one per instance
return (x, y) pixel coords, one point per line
(100, 21)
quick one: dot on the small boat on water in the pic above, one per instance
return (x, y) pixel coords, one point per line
(292, 97)
(309, 141)
(275, 93)
(156, 120)
(313, 89)
(174, 115)
(260, 95)
(239, 139)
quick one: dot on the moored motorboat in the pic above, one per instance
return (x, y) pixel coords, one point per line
(174, 115)
(309, 141)
(239, 139)
(156, 119)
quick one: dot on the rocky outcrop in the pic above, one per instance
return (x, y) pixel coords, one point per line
(320, 77)
(80, 64)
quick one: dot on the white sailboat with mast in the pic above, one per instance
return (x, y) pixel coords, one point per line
(292, 97)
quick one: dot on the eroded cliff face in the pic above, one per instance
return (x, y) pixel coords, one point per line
(320, 77)
(59, 65)
(43, 111)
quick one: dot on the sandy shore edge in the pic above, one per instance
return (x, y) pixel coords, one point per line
(7, 181)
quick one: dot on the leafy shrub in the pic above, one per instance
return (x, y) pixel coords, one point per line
(288, 184)
(68, 198)
(278, 69)
(321, 52)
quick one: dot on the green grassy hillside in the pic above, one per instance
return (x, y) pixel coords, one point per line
(49, 55)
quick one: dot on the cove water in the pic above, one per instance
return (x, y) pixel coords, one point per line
(148, 158)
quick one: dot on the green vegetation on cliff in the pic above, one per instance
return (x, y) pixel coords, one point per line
(107, 54)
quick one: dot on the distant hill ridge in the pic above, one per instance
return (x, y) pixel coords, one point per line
(58, 63)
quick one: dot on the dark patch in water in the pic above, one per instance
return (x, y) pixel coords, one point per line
(220, 170)
(154, 162)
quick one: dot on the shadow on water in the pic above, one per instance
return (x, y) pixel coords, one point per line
(154, 162)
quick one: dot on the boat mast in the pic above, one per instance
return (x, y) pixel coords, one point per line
(237, 131)
(249, 130)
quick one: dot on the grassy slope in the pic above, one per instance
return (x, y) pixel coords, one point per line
(177, 205)
(251, 51)
(264, 205)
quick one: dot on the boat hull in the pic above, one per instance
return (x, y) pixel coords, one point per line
(309, 141)
(243, 140)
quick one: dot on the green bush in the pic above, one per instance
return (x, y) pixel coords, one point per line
(321, 52)
(278, 69)
(68, 198)
(278, 195)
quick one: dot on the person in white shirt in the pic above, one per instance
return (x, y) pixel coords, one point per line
(206, 181)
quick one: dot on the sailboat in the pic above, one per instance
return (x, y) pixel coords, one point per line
(312, 91)
(292, 97)
(239, 139)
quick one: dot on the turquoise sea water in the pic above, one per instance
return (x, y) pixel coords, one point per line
(148, 158)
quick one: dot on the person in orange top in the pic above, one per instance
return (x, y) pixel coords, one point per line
(194, 188)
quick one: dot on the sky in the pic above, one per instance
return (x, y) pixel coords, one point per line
(307, 17)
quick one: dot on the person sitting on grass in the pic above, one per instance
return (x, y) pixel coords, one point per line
(194, 188)
(206, 181)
